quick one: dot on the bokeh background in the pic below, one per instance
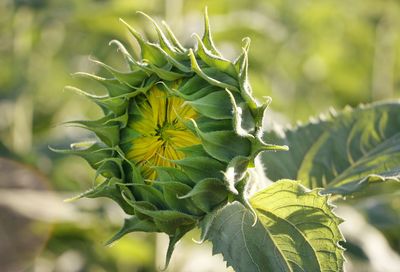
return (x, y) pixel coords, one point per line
(307, 55)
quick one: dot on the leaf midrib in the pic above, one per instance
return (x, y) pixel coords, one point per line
(265, 213)
(359, 162)
(245, 242)
(306, 163)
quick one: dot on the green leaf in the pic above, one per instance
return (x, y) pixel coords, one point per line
(171, 192)
(192, 86)
(167, 220)
(212, 75)
(109, 189)
(117, 105)
(242, 57)
(296, 230)
(206, 124)
(243, 121)
(170, 48)
(130, 61)
(92, 152)
(235, 172)
(166, 174)
(107, 132)
(150, 52)
(195, 167)
(131, 78)
(133, 224)
(193, 150)
(229, 82)
(207, 194)
(165, 73)
(245, 87)
(110, 167)
(207, 37)
(200, 92)
(173, 38)
(149, 194)
(224, 145)
(113, 85)
(127, 135)
(342, 153)
(214, 61)
(165, 44)
(174, 239)
(216, 105)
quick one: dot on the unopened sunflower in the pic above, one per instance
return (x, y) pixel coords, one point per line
(179, 133)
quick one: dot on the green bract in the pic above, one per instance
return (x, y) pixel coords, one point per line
(179, 132)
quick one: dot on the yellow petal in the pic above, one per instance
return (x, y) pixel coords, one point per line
(160, 121)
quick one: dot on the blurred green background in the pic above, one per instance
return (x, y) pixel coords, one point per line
(307, 55)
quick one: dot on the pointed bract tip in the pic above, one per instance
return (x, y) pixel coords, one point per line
(248, 205)
(142, 13)
(80, 92)
(246, 40)
(132, 30)
(193, 62)
(92, 58)
(70, 88)
(206, 21)
(183, 196)
(173, 38)
(52, 148)
(122, 21)
(199, 242)
(195, 35)
(190, 52)
(72, 199)
(170, 250)
(205, 10)
(284, 148)
(268, 100)
(147, 17)
(56, 150)
(194, 123)
(111, 241)
(117, 43)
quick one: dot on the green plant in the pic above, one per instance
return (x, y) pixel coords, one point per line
(177, 145)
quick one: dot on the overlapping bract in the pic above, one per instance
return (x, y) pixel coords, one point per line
(227, 125)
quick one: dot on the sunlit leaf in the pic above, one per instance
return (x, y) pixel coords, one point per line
(296, 230)
(342, 153)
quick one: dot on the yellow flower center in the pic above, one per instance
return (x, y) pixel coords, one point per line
(162, 131)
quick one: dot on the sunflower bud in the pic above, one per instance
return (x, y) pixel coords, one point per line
(179, 133)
